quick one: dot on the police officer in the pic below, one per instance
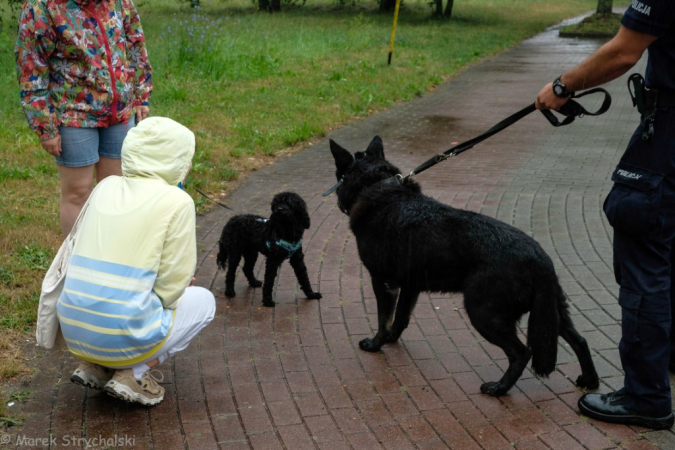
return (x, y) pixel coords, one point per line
(641, 209)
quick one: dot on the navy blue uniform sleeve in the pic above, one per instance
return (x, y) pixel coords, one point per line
(653, 17)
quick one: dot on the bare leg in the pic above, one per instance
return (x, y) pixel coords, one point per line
(152, 363)
(76, 185)
(106, 167)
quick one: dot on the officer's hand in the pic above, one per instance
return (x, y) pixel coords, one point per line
(548, 100)
(53, 145)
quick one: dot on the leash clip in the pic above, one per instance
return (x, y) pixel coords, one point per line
(442, 156)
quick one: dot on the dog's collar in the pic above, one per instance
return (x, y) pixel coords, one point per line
(290, 247)
(396, 180)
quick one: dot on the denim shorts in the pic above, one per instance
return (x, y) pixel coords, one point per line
(83, 146)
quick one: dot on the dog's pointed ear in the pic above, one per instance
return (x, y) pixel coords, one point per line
(376, 148)
(343, 158)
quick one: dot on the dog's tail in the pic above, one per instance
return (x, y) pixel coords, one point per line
(543, 325)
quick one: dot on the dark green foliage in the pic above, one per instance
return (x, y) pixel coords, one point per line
(604, 6)
(12, 5)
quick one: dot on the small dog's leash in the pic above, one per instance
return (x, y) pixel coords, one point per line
(571, 110)
(214, 201)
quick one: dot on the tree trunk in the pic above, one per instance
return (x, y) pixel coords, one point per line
(439, 9)
(604, 7)
(264, 5)
(276, 6)
(387, 5)
(448, 9)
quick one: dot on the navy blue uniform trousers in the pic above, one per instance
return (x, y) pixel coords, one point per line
(641, 209)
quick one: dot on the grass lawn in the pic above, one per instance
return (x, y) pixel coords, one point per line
(251, 86)
(594, 26)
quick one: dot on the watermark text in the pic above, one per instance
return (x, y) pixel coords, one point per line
(69, 441)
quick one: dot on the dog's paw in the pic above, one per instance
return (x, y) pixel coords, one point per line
(493, 388)
(313, 295)
(255, 283)
(269, 302)
(230, 293)
(586, 382)
(368, 345)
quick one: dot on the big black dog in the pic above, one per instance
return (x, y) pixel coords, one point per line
(412, 243)
(278, 238)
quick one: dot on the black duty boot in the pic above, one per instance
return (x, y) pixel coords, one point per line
(613, 408)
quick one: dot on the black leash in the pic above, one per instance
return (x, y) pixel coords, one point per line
(571, 110)
(214, 201)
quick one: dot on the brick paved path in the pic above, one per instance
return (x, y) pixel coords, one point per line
(293, 377)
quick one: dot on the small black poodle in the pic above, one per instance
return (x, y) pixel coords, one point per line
(278, 238)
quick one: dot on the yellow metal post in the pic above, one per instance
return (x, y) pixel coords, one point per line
(393, 31)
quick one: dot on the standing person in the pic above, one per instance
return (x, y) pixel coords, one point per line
(127, 303)
(641, 209)
(85, 81)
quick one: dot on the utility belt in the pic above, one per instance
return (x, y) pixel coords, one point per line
(647, 100)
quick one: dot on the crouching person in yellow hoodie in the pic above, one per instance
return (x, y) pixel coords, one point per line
(127, 303)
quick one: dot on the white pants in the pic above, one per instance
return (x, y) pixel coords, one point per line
(194, 312)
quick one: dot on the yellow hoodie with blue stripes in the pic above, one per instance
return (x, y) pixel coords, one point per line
(135, 253)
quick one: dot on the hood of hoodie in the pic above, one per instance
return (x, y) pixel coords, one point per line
(158, 148)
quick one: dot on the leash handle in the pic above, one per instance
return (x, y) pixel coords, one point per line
(553, 120)
(573, 109)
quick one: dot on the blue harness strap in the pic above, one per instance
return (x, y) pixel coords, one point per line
(290, 247)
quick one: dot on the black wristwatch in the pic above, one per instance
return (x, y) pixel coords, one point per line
(559, 89)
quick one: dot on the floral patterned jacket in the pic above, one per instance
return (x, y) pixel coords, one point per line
(81, 64)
